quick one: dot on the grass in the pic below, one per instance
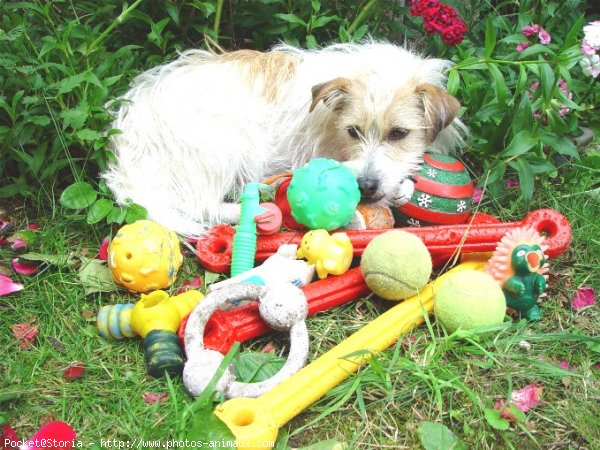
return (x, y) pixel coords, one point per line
(427, 376)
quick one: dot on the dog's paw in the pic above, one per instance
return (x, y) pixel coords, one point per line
(404, 192)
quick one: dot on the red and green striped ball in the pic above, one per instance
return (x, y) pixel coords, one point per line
(443, 194)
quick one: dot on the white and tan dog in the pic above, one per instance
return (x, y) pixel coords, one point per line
(196, 130)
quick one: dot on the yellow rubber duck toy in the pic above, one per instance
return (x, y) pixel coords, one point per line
(330, 254)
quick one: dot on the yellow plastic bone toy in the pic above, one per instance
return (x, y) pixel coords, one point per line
(330, 254)
(255, 421)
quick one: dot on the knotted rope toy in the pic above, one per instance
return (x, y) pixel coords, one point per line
(283, 306)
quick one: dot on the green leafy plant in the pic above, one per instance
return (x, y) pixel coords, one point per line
(63, 64)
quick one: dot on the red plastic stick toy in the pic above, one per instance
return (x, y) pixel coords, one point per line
(243, 323)
(214, 249)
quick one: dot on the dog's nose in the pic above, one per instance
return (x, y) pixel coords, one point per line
(368, 186)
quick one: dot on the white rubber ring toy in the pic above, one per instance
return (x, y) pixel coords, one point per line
(283, 306)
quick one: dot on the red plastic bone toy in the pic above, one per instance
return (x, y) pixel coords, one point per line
(214, 249)
(243, 323)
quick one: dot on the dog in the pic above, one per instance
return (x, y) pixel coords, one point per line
(194, 131)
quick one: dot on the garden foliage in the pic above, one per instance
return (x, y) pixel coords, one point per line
(63, 64)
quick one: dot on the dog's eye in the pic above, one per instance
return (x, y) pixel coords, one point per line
(354, 132)
(397, 134)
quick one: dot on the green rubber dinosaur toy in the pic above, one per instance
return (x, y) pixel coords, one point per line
(518, 265)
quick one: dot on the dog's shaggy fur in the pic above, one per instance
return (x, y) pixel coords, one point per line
(196, 130)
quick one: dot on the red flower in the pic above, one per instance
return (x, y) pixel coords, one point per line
(454, 34)
(439, 18)
(74, 371)
(418, 8)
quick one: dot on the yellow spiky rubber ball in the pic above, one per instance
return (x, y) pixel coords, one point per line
(469, 299)
(396, 265)
(144, 256)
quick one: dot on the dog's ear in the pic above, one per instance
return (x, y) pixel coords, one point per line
(440, 109)
(331, 92)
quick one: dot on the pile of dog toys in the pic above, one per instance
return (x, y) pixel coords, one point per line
(505, 266)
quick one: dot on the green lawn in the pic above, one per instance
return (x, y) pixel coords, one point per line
(430, 377)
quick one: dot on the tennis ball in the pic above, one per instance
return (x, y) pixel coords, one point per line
(469, 299)
(396, 265)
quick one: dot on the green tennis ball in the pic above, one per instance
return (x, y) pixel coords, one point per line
(469, 299)
(396, 265)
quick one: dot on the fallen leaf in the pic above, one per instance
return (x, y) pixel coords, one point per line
(48, 418)
(95, 276)
(24, 268)
(585, 296)
(436, 436)
(5, 271)
(33, 226)
(58, 346)
(7, 437)
(88, 314)
(103, 252)
(189, 285)
(25, 334)
(597, 366)
(151, 397)
(74, 371)
(511, 183)
(61, 261)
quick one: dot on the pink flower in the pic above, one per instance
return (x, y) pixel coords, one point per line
(521, 46)
(524, 399)
(477, 194)
(585, 296)
(530, 30)
(564, 365)
(17, 243)
(7, 435)
(7, 286)
(151, 397)
(24, 268)
(587, 49)
(591, 34)
(25, 334)
(544, 36)
(189, 285)
(511, 183)
(103, 252)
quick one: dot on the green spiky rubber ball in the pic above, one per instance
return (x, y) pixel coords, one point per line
(396, 265)
(323, 194)
(469, 299)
